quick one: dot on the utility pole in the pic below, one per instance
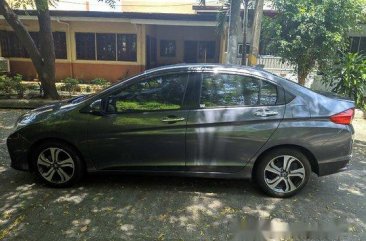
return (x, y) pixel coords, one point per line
(256, 33)
(245, 27)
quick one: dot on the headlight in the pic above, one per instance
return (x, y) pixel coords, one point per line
(29, 117)
(26, 119)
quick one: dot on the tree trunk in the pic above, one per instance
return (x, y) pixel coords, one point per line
(44, 65)
(301, 75)
(47, 75)
(256, 33)
(245, 23)
(234, 29)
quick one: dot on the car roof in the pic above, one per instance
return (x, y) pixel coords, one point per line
(198, 66)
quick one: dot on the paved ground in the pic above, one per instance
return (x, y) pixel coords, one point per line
(169, 208)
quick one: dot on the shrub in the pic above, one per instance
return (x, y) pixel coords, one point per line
(71, 84)
(88, 89)
(6, 85)
(348, 77)
(18, 86)
(101, 82)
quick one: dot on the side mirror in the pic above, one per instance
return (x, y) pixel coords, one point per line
(96, 107)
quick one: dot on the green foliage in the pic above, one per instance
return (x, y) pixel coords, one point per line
(18, 86)
(101, 82)
(348, 77)
(8, 85)
(71, 84)
(363, 13)
(308, 32)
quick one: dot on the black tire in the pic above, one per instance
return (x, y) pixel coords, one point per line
(78, 166)
(262, 174)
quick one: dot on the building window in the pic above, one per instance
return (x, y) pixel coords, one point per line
(85, 46)
(12, 47)
(106, 46)
(126, 47)
(167, 48)
(358, 45)
(59, 38)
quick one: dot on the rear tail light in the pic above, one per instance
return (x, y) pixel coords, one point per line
(344, 118)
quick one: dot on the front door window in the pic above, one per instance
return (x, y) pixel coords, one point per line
(159, 93)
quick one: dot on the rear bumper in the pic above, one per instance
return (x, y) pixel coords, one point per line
(18, 148)
(333, 166)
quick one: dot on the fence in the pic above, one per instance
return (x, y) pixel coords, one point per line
(275, 64)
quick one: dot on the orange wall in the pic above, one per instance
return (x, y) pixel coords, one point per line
(111, 72)
(83, 71)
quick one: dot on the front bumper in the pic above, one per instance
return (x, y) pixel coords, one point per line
(18, 148)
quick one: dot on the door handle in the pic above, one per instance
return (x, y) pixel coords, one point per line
(265, 113)
(172, 119)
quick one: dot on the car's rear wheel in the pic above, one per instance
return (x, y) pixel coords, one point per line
(283, 172)
(57, 164)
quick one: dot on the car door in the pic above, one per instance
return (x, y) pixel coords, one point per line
(234, 117)
(144, 126)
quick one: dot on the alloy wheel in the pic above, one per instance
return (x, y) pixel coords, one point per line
(284, 174)
(55, 165)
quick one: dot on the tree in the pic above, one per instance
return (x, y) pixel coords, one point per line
(307, 33)
(234, 28)
(256, 32)
(43, 59)
(245, 33)
(347, 76)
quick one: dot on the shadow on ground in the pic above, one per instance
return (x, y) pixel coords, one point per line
(171, 208)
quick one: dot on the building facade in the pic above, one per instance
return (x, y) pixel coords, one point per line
(135, 36)
(116, 45)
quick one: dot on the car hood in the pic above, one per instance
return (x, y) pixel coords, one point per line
(47, 111)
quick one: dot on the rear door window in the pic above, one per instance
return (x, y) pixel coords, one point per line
(230, 90)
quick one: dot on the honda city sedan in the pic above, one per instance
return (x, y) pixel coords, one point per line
(197, 120)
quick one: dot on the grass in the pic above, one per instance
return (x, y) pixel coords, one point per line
(149, 105)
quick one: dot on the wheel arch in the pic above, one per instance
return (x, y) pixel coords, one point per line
(313, 161)
(51, 139)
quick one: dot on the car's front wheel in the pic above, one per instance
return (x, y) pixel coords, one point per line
(57, 164)
(283, 172)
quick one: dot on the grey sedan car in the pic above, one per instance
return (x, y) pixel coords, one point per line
(194, 120)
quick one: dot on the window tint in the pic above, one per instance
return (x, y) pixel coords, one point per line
(235, 90)
(59, 38)
(12, 47)
(158, 93)
(106, 46)
(268, 94)
(85, 46)
(167, 48)
(126, 47)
